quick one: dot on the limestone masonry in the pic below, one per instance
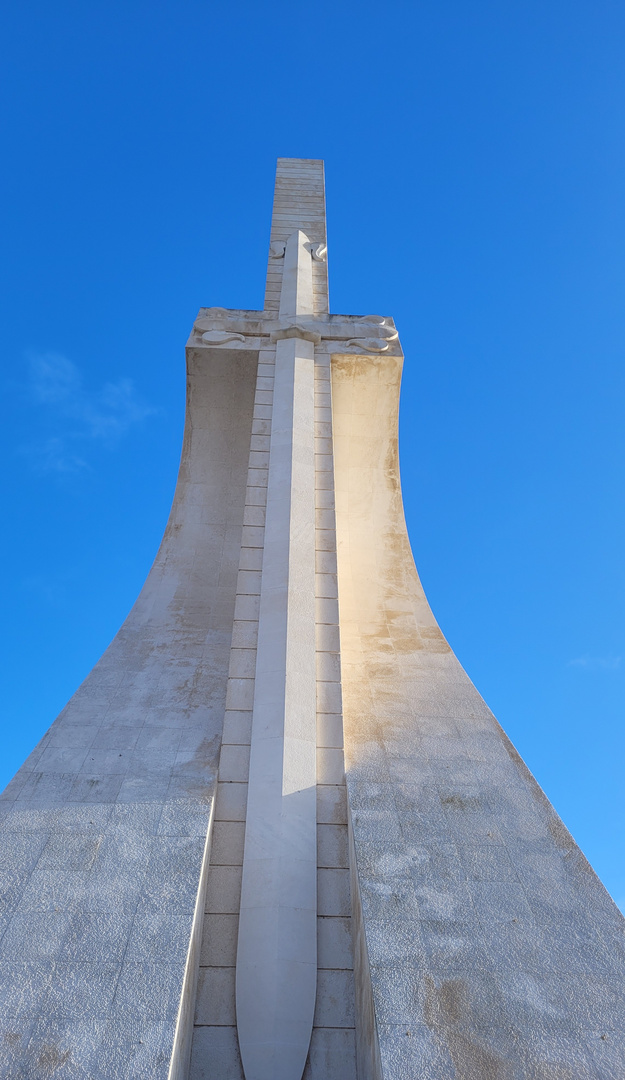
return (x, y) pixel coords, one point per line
(277, 833)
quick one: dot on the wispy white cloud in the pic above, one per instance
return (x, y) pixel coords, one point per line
(596, 663)
(78, 415)
(54, 455)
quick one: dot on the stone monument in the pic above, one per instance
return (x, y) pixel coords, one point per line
(277, 833)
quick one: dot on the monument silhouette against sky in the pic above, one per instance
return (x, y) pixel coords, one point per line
(277, 833)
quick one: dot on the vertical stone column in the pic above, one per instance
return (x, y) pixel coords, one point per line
(277, 948)
(299, 203)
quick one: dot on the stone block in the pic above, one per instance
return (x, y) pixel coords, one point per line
(52, 890)
(607, 1052)
(234, 763)
(325, 563)
(334, 942)
(231, 802)
(244, 635)
(215, 1054)
(238, 726)
(227, 843)
(252, 558)
(62, 1046)
(240, 694)
(223, 890)
(326, 585)
(141, 1050)
(81, 991)
(333, 892)
(332, 846)
(13, 885)
(35, 935)
(330, 765)
(331, 804)
(329, 730)
(215, 1002)
(335, 999)
(563, 1057)
(329, 693)
(487, 862)
(15, 1035)
(20, 849)
(325, 540)
(158, 934)
(246, 607)
(149, 989)
(327, 610)
(328, 669)
(184, 817)
(24, 986)
(219, 940)
(332, 1055)
(413, 1050)
(324, 498)
(242, 663)
(96, 937)
(70, 851)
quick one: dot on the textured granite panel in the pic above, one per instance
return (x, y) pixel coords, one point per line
(494, 950)
(104, 828)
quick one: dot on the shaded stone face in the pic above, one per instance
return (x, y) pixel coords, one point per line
(277, 832)
(104, 828)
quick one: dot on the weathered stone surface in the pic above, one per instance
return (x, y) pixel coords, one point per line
(494, 950)
(105, 825)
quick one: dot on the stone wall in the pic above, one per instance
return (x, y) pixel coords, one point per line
(494, 950)
(103, 830)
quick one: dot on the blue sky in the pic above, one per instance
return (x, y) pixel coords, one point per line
(475, 167)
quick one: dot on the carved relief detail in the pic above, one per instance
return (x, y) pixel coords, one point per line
(385, 334)
(220, 337)
(369, 334)
(212, 328)
(368, 344)
(319, 252)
